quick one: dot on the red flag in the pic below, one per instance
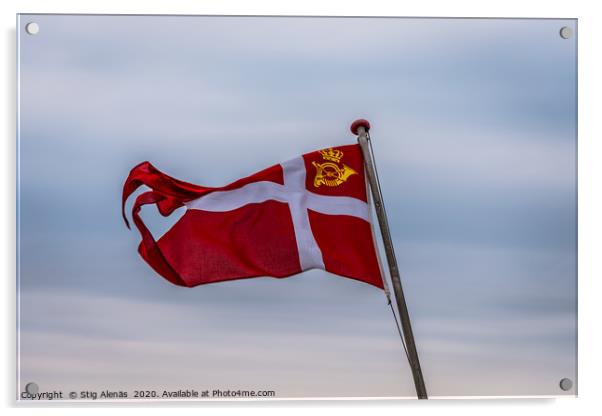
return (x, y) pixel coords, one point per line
(310, 212)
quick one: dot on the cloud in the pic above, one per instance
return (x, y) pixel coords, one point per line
(101, 342)
(89, 341)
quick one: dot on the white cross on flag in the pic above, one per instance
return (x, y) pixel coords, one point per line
(310, 212)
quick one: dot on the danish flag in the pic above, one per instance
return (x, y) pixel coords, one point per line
(310, 212)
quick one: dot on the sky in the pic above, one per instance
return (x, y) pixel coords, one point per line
(474, 133)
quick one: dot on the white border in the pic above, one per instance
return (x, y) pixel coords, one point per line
(590, 200)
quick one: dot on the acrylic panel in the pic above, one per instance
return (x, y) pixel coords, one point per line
(473, 125)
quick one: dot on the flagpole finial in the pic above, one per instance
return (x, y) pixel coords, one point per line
(359, 123)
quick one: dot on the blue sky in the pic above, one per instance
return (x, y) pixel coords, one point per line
(474, 127)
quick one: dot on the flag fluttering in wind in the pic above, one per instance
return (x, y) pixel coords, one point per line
(310, 212)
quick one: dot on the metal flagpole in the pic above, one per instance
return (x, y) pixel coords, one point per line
(361, 128)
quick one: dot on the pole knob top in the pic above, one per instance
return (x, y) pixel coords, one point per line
(359, 123)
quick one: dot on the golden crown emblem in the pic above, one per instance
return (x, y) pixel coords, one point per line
(331, 174)
(332, 154)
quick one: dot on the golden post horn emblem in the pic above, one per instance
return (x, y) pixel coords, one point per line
(329, 173)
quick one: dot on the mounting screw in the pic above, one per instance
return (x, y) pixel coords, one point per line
(566, 384)
(32, 28)
(32, 388)
(566, 32)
